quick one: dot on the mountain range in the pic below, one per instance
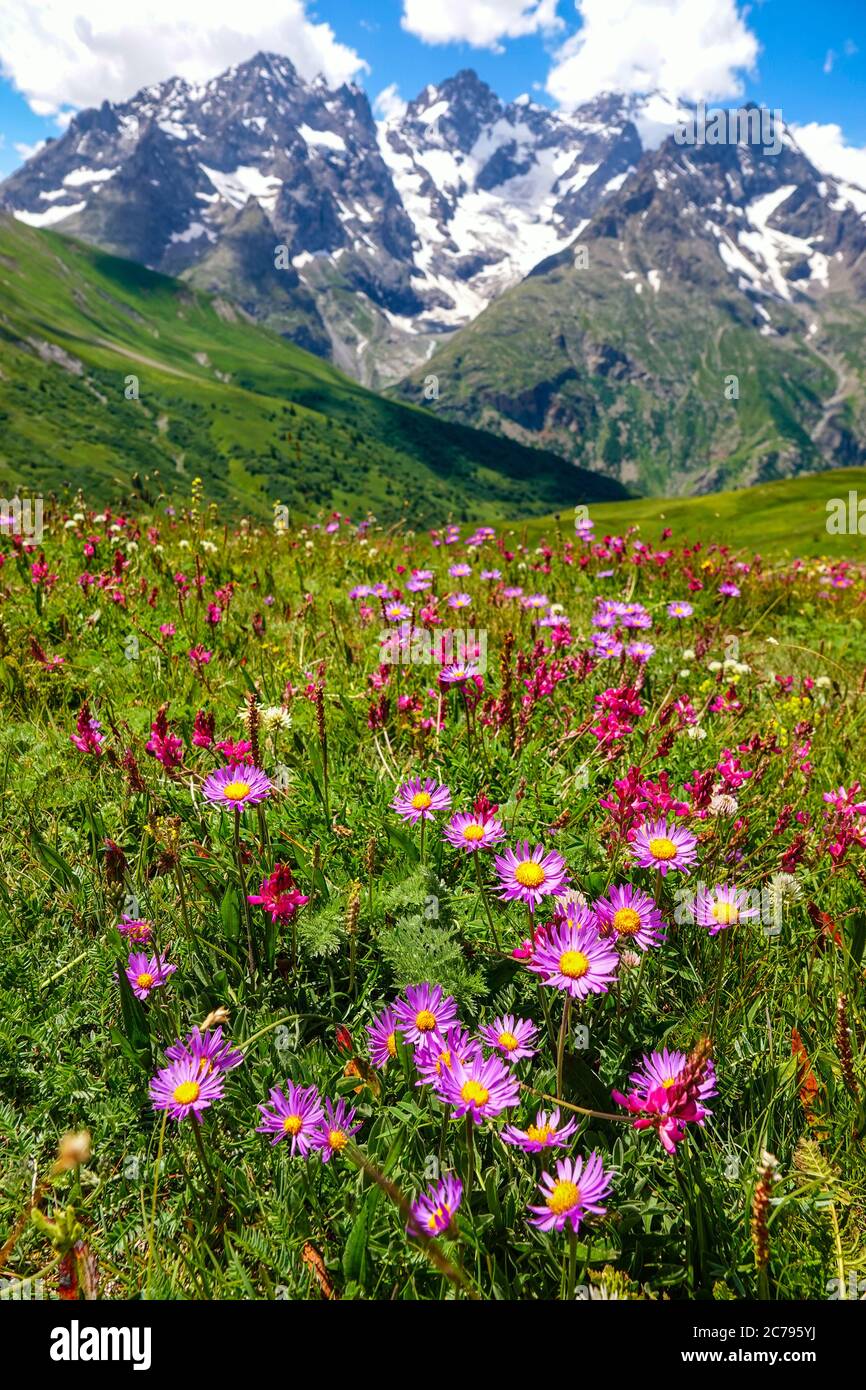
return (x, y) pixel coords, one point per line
(678, 317)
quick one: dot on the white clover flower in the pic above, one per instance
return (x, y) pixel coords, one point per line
(714, 666)
(684, 673)
(823, 682)
(69, 525)
(723, 805)
(184, 544)
(694, 731)
(689, 654)
(209, 547)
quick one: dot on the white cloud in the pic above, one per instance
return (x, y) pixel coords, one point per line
(389, 105)
(25, 151)
(829, 61)
(825, 146)
(689, 48)
(482, 23)
(59, 58)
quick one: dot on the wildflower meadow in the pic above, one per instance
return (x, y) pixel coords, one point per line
(451, 915)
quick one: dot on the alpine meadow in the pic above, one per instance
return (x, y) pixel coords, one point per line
(433, 671)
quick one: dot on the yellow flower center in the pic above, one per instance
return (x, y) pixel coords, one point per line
(508, 1041)
(726, 914)
(392, 1045)
(441, 1213)
(144, 981)
(564, 1196)
(668, 1082)
(475, 1093)
(293, 1124)
(444, 1061)
(473, 832)
(236, 791)
(573, 964)
(539, 1136)
(338, 1139)
(662, 848)
(425, 1021)
(420, 801)
(529, 874)
(186, 1092)
(626, 921)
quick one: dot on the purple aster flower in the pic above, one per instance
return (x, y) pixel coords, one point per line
(417, 585)
(606, 646)
(360, 591)
(535, 601)
(729, 590)
(511, 1036)
(460, 570)
(630, 915)
(383, 1041)
(397, 612)
(437, 1051)
(680, 609)
(457, 674)
(575, 959)
(657, 845)
(417, 800)
(640, 651)
(237, 786)
(489, 575)
(208, 1049)
(480, 1087)
(546, 1133)
(424, 1011)
(634, 615)
(183, 1089)
(296, 1114)
(513, 591)
(530, 875)
(146, 974)
(335, 1130)
(721, 907)
(471, 832)
(576, 1192)
(136, 928)
(459, 600)
(433, 1211)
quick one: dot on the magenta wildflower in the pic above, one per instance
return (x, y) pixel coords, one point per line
(136, 928)
(480, 1087)
(335, 1129)
(295, 1115)
(658, 845)
(546, 1133)
(87, 737)
(472, 832)
(383, 1037)
(145, 974)
(424, 1011)
(278, 894)
(511, 1036)
(237, 786)
(184, 1089)
(530, 875)
(724, 906)
(208, 1049)
(630, 915)
(668, 1093)
(576, 1192)
(575, 959)
(439, 1050)
(434, 1210)
(417, 800)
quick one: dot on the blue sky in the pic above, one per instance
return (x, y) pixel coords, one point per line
(807, 59)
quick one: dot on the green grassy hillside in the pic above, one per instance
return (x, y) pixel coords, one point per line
(777, 519)
(108, 370)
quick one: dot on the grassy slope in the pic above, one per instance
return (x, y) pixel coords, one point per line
(781, 518)
(258, 419)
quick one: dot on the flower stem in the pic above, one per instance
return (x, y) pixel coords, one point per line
(484, 900)
(563, 1038)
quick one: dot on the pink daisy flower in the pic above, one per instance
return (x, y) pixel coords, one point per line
(511, 1036)
(335, 1129)
(424, 1011)
(296, 1115)
(184, 1089)
(438, 1051)
(237, 786)
(480, 1087)
(530, 875)
(630, 915)
(470, 832)
(657, 845)
(417, 800)
(146, 975)
(546, 1133)
(382, 1033)
(434, 1210)
(576, 1192)
(721, 907)
(575, 959)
